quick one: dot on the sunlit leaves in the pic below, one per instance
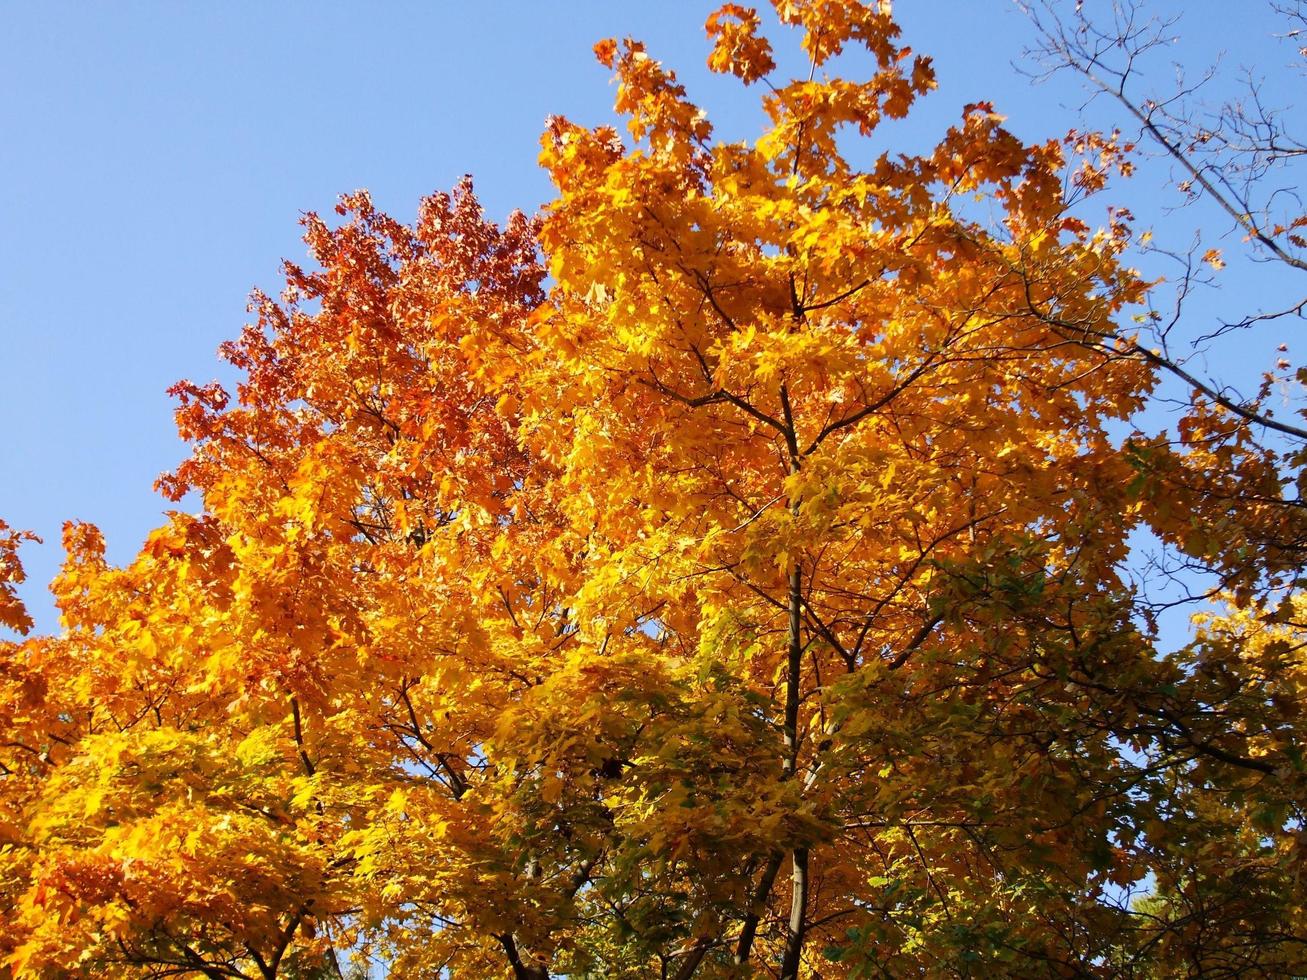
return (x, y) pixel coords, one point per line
(12, 612)
(531, 626)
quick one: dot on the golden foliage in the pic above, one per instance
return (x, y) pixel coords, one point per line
(745, 598)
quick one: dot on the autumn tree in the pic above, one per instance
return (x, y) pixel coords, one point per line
(1224, 138)
(723, 574)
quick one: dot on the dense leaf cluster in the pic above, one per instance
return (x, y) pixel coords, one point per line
(719, 575)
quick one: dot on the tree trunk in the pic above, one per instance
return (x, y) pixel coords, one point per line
(799, 856)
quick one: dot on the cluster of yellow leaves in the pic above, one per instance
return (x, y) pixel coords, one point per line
(738, 48)
(13, 614)
(745, 599)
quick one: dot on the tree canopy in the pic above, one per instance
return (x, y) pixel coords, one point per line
(723, 573)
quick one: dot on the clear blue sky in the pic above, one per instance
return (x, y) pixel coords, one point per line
(155, 158)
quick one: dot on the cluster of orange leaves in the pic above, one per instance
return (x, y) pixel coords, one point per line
(720, 574)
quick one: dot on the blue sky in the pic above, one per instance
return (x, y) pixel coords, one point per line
(155, 159)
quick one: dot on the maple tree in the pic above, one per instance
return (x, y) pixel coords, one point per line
(722, 574)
